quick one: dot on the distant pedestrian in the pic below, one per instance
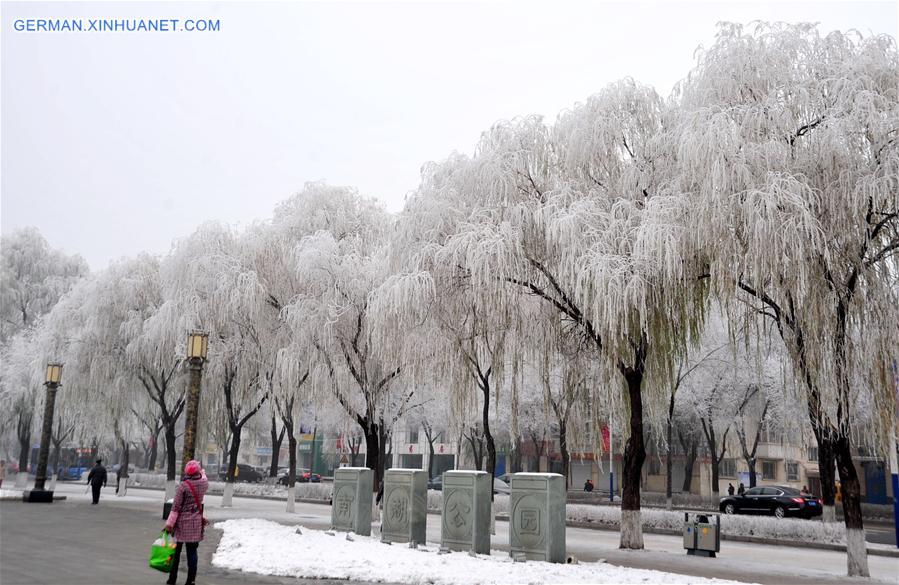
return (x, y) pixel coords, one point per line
(803, 491)
(730, 489)
(741, 490)
(2, 471)
(588, 485)
(97, 479)
(186, 522)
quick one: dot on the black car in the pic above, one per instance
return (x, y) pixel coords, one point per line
(436, 483)
(779, 501)
(243, 472)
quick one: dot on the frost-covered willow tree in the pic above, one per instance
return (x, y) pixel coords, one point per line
(33, 277)
(790, 145)
(212, 281)
(340, 261)
(132, 335)
(580, 216)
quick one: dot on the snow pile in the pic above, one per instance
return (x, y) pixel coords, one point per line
(308, 491)
(261, 546)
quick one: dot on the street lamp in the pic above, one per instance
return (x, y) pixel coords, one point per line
(52, 377)
(197, 344)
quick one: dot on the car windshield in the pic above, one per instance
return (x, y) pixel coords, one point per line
(789, 491)
(754, 491)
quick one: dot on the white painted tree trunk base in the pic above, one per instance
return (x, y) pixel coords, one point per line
(716, 498)
(668, 503)
(226, 497)
(169, 490)
(123, 487)
(52, 487)
(22, 480)
(291, 499)
(829, 514)
(856, 553)
(631, 530)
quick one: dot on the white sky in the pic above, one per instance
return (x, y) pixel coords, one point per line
(114, 143)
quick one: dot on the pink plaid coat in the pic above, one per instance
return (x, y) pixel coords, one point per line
(185, 518)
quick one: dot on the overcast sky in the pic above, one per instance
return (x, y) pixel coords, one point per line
(114, 143)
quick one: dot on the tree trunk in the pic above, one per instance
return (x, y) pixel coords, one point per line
(491, 445)
(154, 453)
(826, 471)
(24, 446)
(668, 458)
(688, 466)
(857, 554)
(634, 456)
(373, 453)
(563, 447)
(277, 439)
(753, 477)
(430, 458)
(122, 476)
(170, 454)
(233, 451)
(292, 469)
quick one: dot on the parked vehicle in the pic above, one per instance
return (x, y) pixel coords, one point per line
(244, 472)
(780, 501)
(303, 476)
(501, 487)
(436, 483)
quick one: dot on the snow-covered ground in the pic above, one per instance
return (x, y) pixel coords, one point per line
(262, 546)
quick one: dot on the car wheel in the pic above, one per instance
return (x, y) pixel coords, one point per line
(729, 509)
(779, 512)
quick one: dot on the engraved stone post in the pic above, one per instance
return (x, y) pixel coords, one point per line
(405, 506)
(537, 516)
(465, 517)
(351, 500)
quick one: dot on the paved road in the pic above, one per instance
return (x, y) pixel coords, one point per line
(137, 518)
(75, 543)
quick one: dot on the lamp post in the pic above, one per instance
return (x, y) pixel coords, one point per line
(51, 381)
(197, 344)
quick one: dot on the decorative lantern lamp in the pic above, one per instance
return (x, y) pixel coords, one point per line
(54, 373)
(197, 343)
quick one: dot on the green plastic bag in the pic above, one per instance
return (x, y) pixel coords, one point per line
(161, 552)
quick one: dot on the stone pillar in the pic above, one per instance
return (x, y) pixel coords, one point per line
(465, 517)
(537, 516)
(351, 502)
(405, 506)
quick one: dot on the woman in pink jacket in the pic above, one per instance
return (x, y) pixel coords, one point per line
(185, 521)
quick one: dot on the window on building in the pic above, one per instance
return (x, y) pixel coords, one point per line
(412, 435)
(792, 471)
(769, 470)
(812, 453)
(727, 468)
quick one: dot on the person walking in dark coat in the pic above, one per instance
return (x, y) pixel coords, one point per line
(741, 490)
(97, 479)
(185, 521)
(730, 489)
